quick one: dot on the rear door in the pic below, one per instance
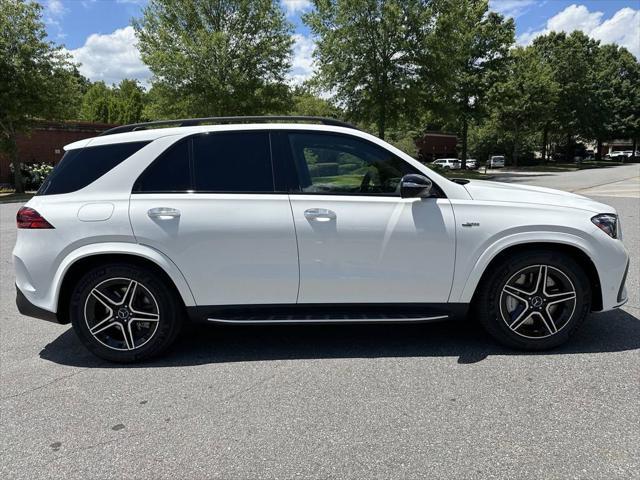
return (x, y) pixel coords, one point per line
(209, 204)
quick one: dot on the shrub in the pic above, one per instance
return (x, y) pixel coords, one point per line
(347, 168)
(33, 174)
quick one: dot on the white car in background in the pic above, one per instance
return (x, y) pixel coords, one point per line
(472, 164)
(447, 163)
(139, 229)
(496, 161)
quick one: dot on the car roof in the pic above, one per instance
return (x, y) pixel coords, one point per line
(149, 135)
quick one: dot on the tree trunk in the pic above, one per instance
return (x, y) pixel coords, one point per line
(599, 149)
(465, 129)
(545, 141)
(13, 156)
(382, 119)
(515, 149)
(635, 147)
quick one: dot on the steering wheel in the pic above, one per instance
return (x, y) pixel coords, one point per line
(366, 180)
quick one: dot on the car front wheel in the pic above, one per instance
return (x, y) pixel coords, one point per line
(534, 300)
(125, 313)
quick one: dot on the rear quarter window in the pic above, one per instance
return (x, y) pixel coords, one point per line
(78, 168)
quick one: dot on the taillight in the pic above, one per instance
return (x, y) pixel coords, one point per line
(29, 218)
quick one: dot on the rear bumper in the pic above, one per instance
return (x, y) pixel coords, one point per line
(25, 307)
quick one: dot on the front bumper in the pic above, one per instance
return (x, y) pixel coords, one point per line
(25, 307)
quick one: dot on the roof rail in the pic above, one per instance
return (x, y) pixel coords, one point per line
(190, 122)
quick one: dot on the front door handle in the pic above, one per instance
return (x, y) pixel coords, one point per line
(319, 214)
(163, 213)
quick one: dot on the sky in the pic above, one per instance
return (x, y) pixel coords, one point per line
(99, 36)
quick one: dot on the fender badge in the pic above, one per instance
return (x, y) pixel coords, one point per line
(471, 224)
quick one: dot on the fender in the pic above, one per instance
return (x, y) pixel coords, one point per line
(464, 288)
(124, 248)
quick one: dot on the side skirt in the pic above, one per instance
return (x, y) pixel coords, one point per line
(322, 314)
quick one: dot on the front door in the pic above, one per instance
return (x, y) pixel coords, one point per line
(358, 240)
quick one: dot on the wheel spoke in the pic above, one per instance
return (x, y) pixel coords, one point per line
(515, 293)
(104, 299)
(541, 282)
(126, 334)
(560, 297)
(129, 294)
(548, 321)
(95, 330)
(145, 317)
(523, 317)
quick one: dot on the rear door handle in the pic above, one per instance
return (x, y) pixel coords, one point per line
(319, 214)
(163, 213)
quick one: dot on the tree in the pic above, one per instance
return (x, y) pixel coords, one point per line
(36, 77)
(523, 98)
(364, 55)
(618, 89)
(96, 103)
(305, 102)
(216, 58)
(579, 110)
(127, 102)
(469, 48)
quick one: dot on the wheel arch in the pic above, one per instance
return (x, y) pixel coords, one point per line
(81, 263)
(575, 252)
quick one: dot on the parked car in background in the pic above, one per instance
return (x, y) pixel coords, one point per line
(496, 161)
(447, 163)
(618, 155)
(472, 164)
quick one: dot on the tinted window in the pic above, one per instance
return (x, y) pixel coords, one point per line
(343, 165)
(169, 172)
(232, 162)
(78, 168)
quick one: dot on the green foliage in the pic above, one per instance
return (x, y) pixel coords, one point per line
(36, 77)
(33, 174)
(215, 58)
(364, 54)
(120, 104)
(523, 98)
(305, 102)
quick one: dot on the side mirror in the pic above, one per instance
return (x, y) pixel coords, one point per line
(414, 185)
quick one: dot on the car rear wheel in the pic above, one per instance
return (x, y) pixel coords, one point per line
(125, 313)
(534, 300)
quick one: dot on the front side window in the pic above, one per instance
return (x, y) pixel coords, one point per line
(343, 165)
(78, 168)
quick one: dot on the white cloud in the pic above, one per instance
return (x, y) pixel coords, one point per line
(302, 65)
(512, 8)
(112, 57)
(622, 29)
(54, 10)
(292, 7)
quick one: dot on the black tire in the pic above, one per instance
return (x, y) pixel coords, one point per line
(154, 300)
(533, 326)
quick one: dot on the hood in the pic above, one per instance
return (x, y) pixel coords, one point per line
(513, 193)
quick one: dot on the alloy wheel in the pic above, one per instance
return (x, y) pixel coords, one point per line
(538, 301)
(121, 313)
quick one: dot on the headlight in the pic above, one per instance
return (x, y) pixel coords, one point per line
(608, 223)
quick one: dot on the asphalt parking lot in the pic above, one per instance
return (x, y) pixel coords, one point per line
(411, 401)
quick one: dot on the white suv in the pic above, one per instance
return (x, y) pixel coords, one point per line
(447, 163)
(141, 228)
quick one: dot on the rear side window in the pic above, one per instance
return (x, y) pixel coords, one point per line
(217, 162)
(168, 173)
(78, 168)
(232, 162)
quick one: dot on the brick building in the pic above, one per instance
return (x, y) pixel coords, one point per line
(434, 145)
(45, 142)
